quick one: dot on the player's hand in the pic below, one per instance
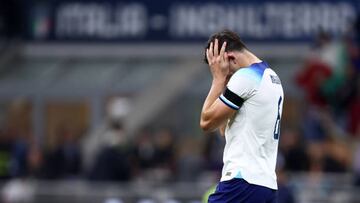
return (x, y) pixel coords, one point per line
(218, 61)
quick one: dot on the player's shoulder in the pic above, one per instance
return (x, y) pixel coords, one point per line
(252, 72)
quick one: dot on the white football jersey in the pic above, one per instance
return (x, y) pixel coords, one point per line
(252, 135)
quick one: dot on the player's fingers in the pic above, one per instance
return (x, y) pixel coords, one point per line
(207, 55)
(216, 47)
(222, 51)
(226, 57)
(211, 52)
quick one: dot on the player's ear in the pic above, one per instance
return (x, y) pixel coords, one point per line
(231, 57)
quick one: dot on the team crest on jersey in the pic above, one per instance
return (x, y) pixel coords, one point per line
(275, 79)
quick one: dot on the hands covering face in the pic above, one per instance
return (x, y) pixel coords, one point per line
(218, 61)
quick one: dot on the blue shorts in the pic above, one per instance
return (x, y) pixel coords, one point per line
(239, 191)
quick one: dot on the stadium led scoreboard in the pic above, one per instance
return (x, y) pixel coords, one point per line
(186, 21)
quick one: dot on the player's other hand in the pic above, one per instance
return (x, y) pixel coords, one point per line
(218, 61)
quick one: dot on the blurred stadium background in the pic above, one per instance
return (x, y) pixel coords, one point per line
(100, 99)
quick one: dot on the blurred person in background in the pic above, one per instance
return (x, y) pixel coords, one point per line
(35, 160)
(18, 137)
(144, 152)
(158, 164)
(354, 113)
(353, 83)
(20, 150)
(316, 71)
(112, 163)
(164, 149)
(213, 151)
(293, 149)
(337, 158)
(109, 156)
(190, 163)
(64, 160)
(70, 150)
(5, 153)
(285, 191)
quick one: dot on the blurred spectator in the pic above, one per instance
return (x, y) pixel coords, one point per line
(71, 152)
(329, 156)
(20, 149)
(293, 151)
(113, 161)
(315, 152)
(190, 163)
(336, 157)
(354, 113)
(65, 160)
(312, 79)
(5, 153)
(144, 150)
(327, 79)
(164, 149)
(154, 155)
(312, 127)
(285, 191)
(318, 69)
(213, 151)
(35, 161)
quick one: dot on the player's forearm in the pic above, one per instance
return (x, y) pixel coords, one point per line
(216, 89)
(207, 122)
(222, 129)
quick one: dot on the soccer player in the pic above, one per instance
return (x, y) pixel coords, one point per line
(245, 104)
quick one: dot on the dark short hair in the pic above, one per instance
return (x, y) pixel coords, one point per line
(233, 41)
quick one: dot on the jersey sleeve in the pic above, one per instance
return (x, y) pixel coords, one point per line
(240, 87)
